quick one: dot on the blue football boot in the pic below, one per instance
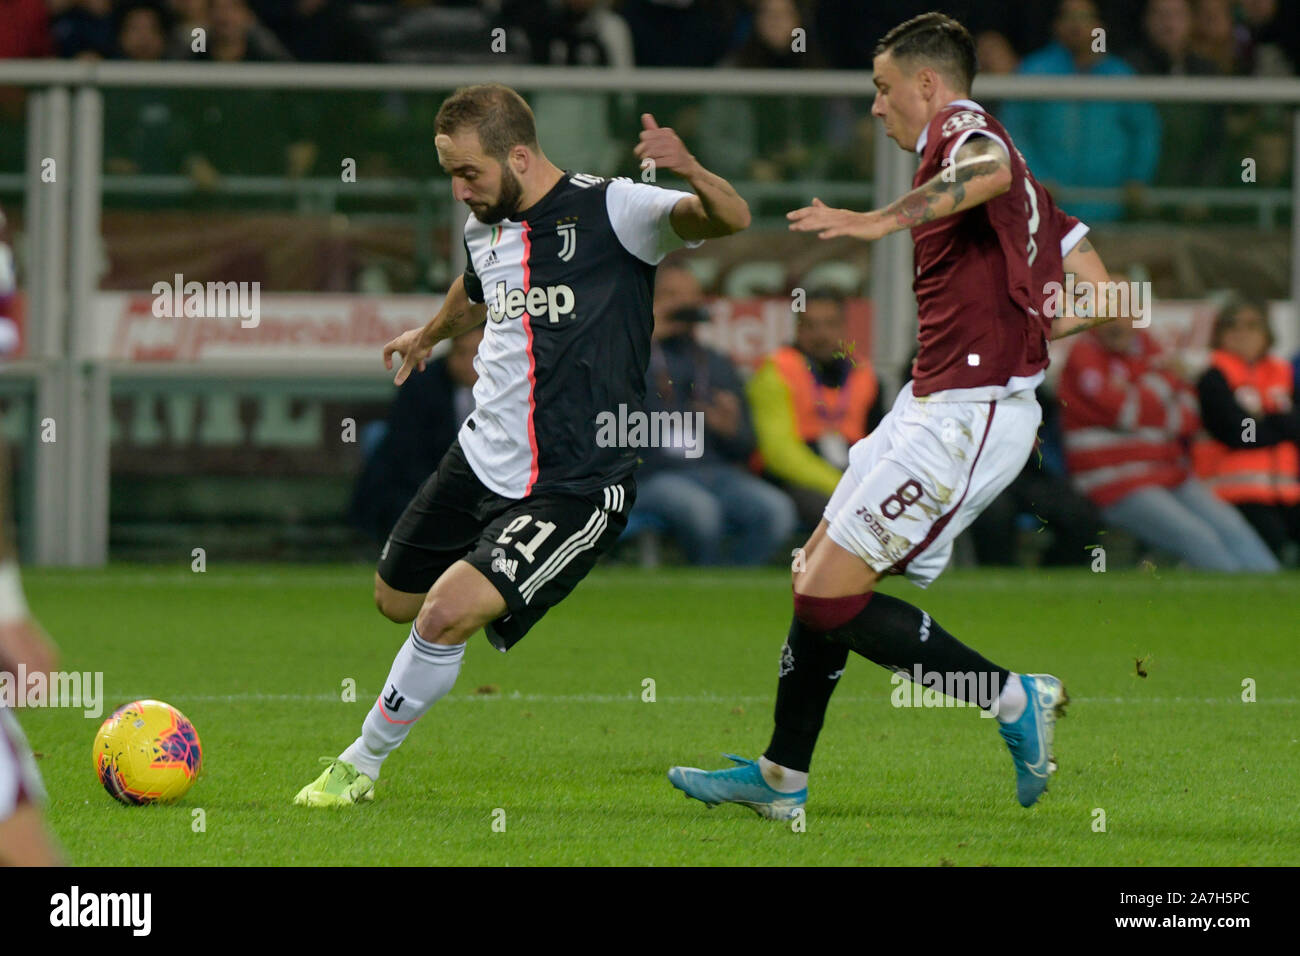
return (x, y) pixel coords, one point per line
(1030, 736)
(743, 784)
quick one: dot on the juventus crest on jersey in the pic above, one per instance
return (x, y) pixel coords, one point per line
(568, 284)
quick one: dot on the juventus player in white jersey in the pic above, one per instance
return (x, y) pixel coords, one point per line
(561, 268)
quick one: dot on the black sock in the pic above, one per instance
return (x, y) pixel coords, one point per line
(810, 668)
(897, 635)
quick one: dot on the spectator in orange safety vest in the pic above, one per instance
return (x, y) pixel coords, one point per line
(1251, 455)
(1127, 419)
(811, 401)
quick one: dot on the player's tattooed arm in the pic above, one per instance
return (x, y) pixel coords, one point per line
(1086, 266)
(980, 170)
(457, 315)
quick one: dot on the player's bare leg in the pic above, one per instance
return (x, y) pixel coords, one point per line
(24, 840)
(460, 602)
(400, 607)
(829, 571)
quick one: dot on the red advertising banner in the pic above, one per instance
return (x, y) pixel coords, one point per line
(330, 327)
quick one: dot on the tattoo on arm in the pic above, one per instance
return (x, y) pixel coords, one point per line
(920, 205)
(458, 314)
(980, 156)
(1084, 245)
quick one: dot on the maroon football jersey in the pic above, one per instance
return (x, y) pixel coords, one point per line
(981, 275)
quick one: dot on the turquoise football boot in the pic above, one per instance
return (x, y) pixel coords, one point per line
(1030, 737)
(743, 784)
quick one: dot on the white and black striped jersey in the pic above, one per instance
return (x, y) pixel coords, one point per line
(568, 284)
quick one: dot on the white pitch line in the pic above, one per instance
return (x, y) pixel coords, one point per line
(364, 581)
(681, 699)
(1120, 581)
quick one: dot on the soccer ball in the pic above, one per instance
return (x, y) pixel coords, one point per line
(147, 752)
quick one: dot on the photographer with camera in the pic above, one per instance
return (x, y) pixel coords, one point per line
(701, 489)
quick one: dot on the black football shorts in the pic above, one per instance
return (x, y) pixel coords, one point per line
(535, 550)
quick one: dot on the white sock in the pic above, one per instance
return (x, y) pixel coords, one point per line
(1012, 700)
(422, 673)
(782, 779)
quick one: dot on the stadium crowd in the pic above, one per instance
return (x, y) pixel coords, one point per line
(1193, 37)
(1171, 145)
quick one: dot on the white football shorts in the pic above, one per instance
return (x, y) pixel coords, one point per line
(927, 471)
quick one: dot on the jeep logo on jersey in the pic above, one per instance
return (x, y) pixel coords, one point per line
(568, 232)
(963, 120)
(552, 301)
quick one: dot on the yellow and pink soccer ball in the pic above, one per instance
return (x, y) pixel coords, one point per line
(147, 752)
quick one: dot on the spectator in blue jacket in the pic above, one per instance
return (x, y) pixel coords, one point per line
(1084, 143)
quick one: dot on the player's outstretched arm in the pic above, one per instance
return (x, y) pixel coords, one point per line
(457, 315)
(716, 209)
(980, 171)
(1086, 265)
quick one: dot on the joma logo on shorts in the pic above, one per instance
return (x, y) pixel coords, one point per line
(552, 301)
(893, 546)
(883, 535)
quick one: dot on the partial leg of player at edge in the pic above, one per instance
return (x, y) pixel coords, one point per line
(24, 646)
(990, 244)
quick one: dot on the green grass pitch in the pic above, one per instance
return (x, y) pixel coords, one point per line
(557, 735)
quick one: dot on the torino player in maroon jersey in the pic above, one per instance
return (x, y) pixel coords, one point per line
(988, 241)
